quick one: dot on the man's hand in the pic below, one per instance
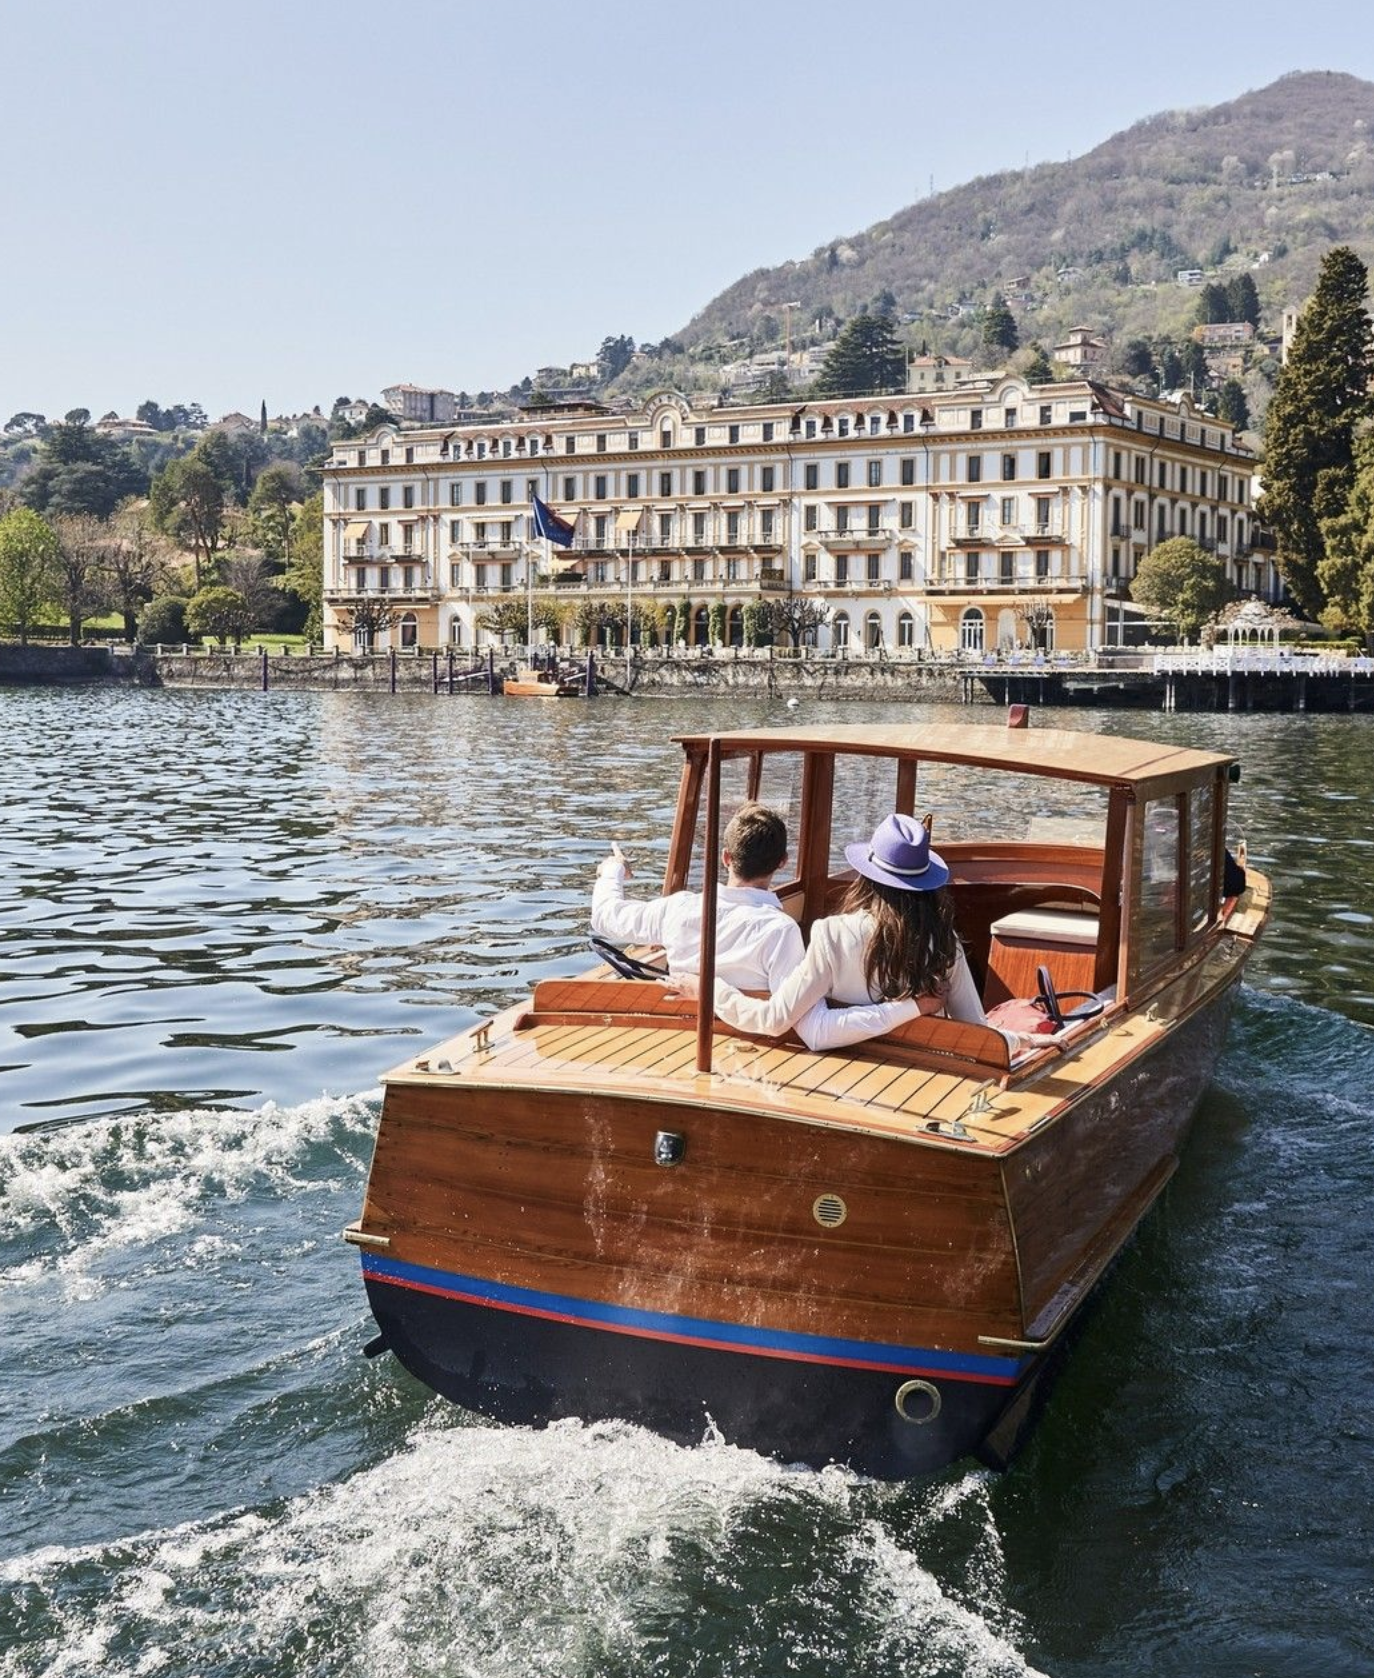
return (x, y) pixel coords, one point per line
(687, 986)
(615, 865)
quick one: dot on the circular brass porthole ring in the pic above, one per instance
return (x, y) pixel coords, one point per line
(918, 1390)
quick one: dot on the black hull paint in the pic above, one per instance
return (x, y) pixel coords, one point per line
(532, 1371)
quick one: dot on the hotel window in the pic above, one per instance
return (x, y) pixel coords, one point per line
(569, 489)
(383, 535)
(1183, 480)
(665, 571)
(386, 457)
(570, 445)
(908, 470)
(842, 474)
(975, 469)
(698, 570)
(479, 493)
(455, 530)
(874, 513)
(875, 474)
(479, 534)
(408, 496)
(362, 457)
(665, 483)
(1077, 416)
(875, 568)
(384, 497)
(975, 419)
(599, 487)
(479, 576)
(408, 578)
(1008, 468)
(1009, 418)
(601, 571)
(734, 434)
(455, 495)
(767, 479)
(1116, 463)
(908, 422)
(842, 568)
(1221, 527)
(841, 520)
(1138, 515)
(360, 500)
(665, 438)
(410, 457)
(732, 570)
(906, 514)
(665, 529)
(732, 529)
(768, 431)
(507, 492)
(732, 481)
(698, 483)
(506, 530)
(632, 485)
(505, 448)
(699, 436)
(843, 427)
(766, 525)
(1043, 503)
(698, 530)
(383, 578)
(905, 568)
(1008, 509)
(972, 565)
(600, 538)
(407, 538)
(531, 488)
(601, 442)
(810, 569)
(973, 518)
(809, 518)
(634, 440)
(1223, 486)
(455, 576)
(1042, 464)
(1046, 414)
(813, 476)
(1202, 483)
(1006, 568)
(1161, 474)
(810, 428)
(1138, 470)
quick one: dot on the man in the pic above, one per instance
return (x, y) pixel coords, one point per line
(757, 941)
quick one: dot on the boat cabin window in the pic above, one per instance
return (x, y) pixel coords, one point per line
(771, 778)
(1000, 806)
(1201, 857)
(1156, 917)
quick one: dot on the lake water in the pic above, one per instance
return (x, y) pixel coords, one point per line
(223, 916)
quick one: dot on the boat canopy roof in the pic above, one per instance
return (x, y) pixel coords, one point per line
(1061, 753)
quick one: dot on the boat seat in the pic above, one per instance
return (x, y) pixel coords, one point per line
(1063, 940)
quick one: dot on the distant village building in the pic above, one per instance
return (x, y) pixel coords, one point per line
(1189, 276)
(235, 422)
(113, 426)
(937, 372)
(355, 412)
(946, 520)
(420, 405)
(1081, 349)
(1216, 333)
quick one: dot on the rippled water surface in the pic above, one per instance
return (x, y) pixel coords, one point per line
(223, 916)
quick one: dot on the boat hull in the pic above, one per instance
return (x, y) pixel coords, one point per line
(517, 1366)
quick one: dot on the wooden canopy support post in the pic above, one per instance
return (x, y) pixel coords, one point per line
(706, 1001)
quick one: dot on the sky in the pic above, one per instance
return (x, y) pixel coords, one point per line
(294, 201)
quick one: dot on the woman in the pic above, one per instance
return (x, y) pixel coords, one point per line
(890, 955)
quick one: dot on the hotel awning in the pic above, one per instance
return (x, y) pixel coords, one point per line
(561, 567)
(628, 520)
(356, 529)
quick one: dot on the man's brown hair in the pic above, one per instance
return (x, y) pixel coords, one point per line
(756, 839)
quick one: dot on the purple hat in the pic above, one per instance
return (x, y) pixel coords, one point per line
(899, 854)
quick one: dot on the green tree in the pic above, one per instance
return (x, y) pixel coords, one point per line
(865, 359)
(1321, 396)
(716, 621)
(1171, 374)
(1213, 305)
(139, 564)
(1038, 369)
(271, 509)
(502, 618)
(28, 568)
(753, 624)
(162, 621)
(614, 357)
(304, 574)
(187, 503)
(794, 616)
(1242, 299)
(1182, 585)
(85, 548)
(1346, 570)
(1232, 406)
(1138, 360)
(219, 612)
(999, 325)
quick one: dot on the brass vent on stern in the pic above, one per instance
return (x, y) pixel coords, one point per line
(829, 1211)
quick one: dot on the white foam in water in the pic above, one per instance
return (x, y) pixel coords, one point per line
(500, 1553)
(84, 1190)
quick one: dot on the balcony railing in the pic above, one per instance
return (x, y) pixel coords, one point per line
(856, 536)
(953, 581)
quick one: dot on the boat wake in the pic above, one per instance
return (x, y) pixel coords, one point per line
(497, 1552)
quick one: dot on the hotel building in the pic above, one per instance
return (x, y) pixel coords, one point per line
(993, 514)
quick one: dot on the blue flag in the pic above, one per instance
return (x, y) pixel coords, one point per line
(550, 526)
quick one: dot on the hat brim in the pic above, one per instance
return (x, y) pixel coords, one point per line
(935, 875)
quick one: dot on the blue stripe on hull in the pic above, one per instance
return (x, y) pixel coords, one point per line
(697, 1331)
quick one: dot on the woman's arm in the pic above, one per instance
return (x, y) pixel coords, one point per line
(770, 1016)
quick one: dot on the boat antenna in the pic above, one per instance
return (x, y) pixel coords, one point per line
(706, 999)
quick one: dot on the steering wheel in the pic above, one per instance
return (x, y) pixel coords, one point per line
(1052, 1001)
(628, 966)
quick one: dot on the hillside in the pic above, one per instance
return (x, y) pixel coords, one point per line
(1267, 182)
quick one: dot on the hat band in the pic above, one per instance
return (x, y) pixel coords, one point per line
(892, 867)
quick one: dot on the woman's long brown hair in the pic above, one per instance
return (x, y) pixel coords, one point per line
(914, 943)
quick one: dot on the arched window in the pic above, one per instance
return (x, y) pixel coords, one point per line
(734, 626)
(410, 630)
(1006, 628)
(873, 631)
(362, 638)
(455, 632)
(971, 631)
(701, 621)
(839, 630)
(906, 630)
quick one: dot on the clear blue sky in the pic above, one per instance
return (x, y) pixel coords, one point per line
(297, 200)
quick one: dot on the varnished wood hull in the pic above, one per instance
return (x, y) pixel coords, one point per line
(543, 1266)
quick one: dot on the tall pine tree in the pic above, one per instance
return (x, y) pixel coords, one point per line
(1321, 396)
(867, 357)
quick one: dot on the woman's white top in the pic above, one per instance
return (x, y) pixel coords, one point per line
(834, 969)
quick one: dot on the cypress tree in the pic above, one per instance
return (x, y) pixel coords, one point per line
(1321, 396)
(999, 325)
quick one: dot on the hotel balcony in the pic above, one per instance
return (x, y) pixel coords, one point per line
(1011, 535)
(955, 581)
(860, 536)
(422, 594)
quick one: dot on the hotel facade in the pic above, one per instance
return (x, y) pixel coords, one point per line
(994, 515)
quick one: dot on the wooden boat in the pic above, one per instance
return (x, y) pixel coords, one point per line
(541, 684)
(598, 1204)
